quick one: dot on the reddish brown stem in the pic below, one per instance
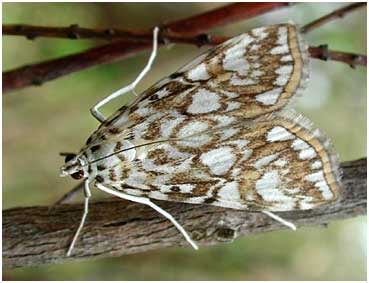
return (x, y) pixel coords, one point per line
(184, 28)
(339, 13)
(222, 16)
(323, 53)
(137, 41)
(37, 74)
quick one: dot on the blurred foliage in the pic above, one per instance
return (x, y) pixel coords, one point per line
(40, 122)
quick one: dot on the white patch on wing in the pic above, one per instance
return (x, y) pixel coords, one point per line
(282, 36)
(279, 50)
(278, 133)
(162, 93)
(198, 73)
(284, 70)
(305, 203)
(260, 33)
(307, 154)
(306, 151)
(186, 188)
(246, 155)
(143, 112)
(158, 195)
(234, 57)
(257, 73)
(320, 183)
(219, 160)
(229, 132)
(292, 190)
(212, 84)
(229, 94)
(286, 58)
(168, 125)
(192, 128)
(229, 192)
(316, 165)
(239, 143)
(232, 105)
(195, 141)
(222, 120)
(280, 162)
(204, 101)
(255, 47)
(261, 162)
(236, 80)
(268, 187)
(133, 192)
(284, 74)
(196, 199)
(137, 179)
(269, 97)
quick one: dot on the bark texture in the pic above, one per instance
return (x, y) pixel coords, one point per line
(34, 236)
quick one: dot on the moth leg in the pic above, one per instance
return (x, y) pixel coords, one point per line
(148, 202)
(94, 110)
(87, 197)
(280, 220)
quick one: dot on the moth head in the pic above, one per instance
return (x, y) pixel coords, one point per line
(74, 166)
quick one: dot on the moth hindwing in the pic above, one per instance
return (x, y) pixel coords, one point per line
(217, 132)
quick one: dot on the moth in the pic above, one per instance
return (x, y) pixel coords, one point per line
(219, 131)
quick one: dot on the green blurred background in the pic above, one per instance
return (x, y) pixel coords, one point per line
(40, 122)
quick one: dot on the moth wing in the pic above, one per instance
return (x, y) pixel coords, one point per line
(277, 164)
(255, 73)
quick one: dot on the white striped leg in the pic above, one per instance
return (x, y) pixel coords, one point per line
(94, 110)
(85, 212)
(148, 202)
(280, 220)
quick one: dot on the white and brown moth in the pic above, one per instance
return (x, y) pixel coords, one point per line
(216, 132)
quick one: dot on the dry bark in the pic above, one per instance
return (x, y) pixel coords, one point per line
(34, 236)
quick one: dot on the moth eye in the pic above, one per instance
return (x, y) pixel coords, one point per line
(69, 157)
(78, 175)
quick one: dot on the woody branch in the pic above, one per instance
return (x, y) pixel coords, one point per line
(34, 236)
(186, 31)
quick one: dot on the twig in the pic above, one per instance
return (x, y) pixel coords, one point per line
(36, 235)
(323, 53)
(37, 74)
(339, 13)
(137, 41)
(186, 27)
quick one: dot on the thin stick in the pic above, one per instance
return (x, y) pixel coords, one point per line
(323, 53)
(39, 73)
(185, 27)
(339, 13)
